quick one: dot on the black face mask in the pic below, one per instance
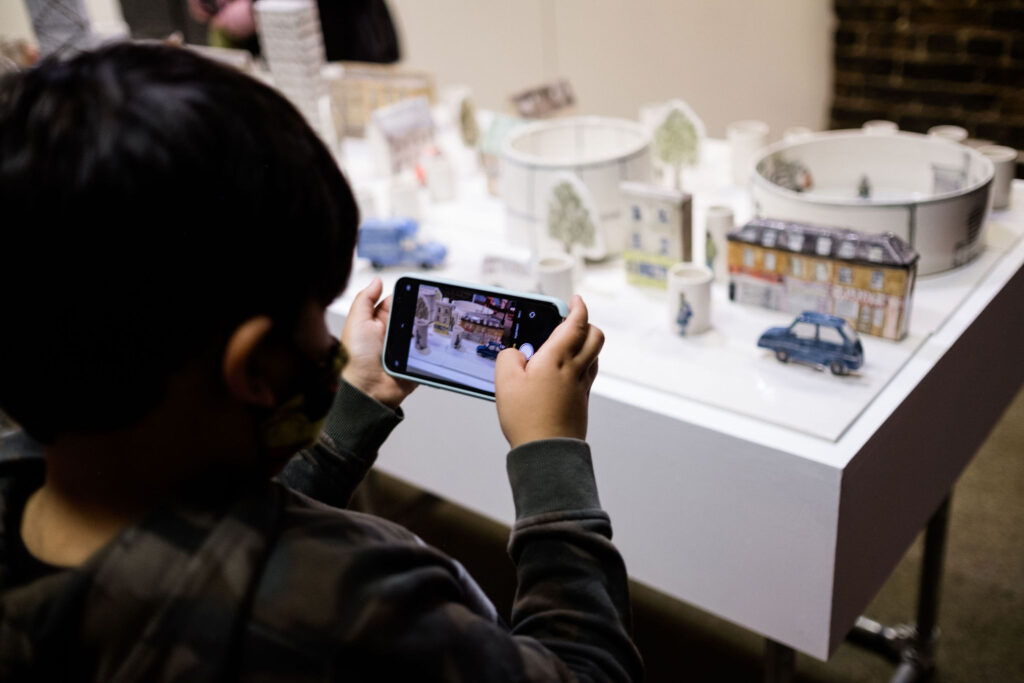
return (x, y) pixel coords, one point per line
(297, 422)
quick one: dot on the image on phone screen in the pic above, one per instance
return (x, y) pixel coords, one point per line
(452, 334)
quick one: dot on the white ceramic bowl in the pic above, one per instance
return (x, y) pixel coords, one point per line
(931, 192)
(596, 153)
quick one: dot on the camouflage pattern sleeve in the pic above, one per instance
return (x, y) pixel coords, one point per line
(331, 469)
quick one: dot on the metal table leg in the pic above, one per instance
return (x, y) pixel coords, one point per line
(779, 662)
(913, 646)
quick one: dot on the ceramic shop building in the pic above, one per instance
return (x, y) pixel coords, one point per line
(793, 267)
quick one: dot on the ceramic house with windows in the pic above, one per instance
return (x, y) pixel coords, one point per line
(658, 232)
(399, 134)
(866, 279)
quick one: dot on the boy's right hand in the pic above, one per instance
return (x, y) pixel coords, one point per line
(548, 397)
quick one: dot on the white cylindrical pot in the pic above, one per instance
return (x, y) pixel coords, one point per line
(405, 197)
(556, 275)
(930, 192)
(598, 152)
(1004, 161)
(746, 140)
(720, 221)
(689, 298)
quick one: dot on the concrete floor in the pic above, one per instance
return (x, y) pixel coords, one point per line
(981, 611)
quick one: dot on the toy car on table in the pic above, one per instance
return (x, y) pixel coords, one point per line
(819, 339)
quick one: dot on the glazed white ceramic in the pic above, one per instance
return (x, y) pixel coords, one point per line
(951, 133)
(929, 191)
(693, 281)
(879, 127)
(555, 275)
(1005, 160)
(746, 140)
(600, 152)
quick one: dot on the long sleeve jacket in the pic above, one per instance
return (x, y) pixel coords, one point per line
(281, 584)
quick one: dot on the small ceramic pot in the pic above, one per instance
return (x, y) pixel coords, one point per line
(1004, 159)
(689, 298)
(556, 275)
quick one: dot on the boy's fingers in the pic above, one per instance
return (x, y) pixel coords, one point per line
(590, 349)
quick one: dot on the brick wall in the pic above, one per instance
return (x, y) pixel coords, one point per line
(928, 62)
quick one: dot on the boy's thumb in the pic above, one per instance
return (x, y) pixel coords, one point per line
(509, 362)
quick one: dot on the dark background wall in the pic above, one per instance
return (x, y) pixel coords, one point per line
(923, 63)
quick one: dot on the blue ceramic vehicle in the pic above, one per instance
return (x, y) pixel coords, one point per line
(489, 350)
(392, 242)
(819, 339)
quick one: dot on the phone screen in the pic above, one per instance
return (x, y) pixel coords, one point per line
(451, 334)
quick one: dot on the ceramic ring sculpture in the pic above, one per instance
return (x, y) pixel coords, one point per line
(579, 163)
(933, 193)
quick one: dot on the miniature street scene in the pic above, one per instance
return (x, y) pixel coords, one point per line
(459, 338)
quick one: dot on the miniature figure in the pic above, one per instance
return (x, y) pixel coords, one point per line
(864, 187)
(867, 280)
(469, 129)
(391, 242)
(817, 339)
(684, 314)
(659, 232)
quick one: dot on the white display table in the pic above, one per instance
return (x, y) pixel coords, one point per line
(776, 496)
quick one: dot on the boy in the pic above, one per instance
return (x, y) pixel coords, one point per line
(173, 233)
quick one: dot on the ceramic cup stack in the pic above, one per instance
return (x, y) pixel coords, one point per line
(556, 275)
(1004, 159)
(689, 298)
(720, 222)
(746, 140)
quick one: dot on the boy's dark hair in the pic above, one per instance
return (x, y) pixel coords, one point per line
(150, 201)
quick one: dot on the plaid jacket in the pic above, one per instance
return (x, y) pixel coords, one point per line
(279, 584)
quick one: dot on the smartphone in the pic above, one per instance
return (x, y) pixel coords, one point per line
(447, 334)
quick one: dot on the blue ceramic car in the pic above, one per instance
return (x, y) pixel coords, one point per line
(818, 339)
(490, 349)
(392, 242)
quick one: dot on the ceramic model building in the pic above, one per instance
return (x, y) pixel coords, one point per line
(550, 99)
(399, 133)
(292, 43)
(658, 232)
(366, 87)
(866, 279)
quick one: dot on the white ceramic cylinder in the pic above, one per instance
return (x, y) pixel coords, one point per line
(556, 275)
(367, 203)
(880, 127)
(405, 197)
(720, 221)
(689, 298)
(951, 133)
(440, 178)
(796, 133)
(746, 139)
(1004, 159)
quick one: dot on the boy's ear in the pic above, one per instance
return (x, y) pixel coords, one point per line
(241, 365)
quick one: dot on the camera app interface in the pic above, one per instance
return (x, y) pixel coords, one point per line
(456, 333)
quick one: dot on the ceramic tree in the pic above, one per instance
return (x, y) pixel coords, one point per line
(677, 142)
(468, 127)
(569, 220)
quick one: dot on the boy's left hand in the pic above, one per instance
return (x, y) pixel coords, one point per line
(363, 337)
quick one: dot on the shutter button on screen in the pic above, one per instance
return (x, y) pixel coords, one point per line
(527, 350)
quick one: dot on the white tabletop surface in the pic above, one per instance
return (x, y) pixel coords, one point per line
(748, 487)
